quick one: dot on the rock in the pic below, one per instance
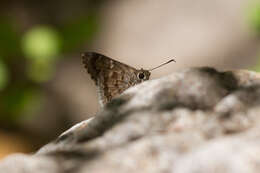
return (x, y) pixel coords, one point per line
(20, 163)
(195, 120)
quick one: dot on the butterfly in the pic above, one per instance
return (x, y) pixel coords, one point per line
(112, 77)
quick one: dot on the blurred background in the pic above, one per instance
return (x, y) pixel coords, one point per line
(44, 88)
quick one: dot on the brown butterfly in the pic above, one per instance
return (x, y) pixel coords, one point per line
(112, 77)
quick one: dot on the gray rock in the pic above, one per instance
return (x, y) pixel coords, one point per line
(195, 120)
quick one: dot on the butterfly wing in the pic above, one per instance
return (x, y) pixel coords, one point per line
(110, 76)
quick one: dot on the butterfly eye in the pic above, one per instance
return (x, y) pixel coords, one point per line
(141, 76)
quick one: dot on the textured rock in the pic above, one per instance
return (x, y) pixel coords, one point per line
(195, 120)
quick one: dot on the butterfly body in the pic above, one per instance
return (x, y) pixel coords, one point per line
(111, 77)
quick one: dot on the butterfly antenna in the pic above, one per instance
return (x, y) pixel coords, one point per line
(172, 60)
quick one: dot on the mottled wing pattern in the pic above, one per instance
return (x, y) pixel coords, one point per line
(110, 76)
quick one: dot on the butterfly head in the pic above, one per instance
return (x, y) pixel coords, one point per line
(143, 75)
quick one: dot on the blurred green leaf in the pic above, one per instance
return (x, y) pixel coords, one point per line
(3, 75)
(79, 31)
(9, 42)
(256, 67)
(20, 102)
(40, 71)
(41, 42)
(32, 103)
(254, 15)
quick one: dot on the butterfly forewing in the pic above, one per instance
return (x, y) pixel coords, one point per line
(111, 77)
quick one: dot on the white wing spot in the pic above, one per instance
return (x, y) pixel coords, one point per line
(111, 64)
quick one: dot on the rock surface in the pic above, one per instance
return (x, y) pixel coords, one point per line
(195, 120)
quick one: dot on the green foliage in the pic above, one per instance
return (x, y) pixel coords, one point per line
(28, 59)
(41, 42)
(254, 15)
(9, 42)
(3, 75)
(79, 31)
(40, 71)
(41, 45)
(20, 101)
(254, 22)
(257, 66)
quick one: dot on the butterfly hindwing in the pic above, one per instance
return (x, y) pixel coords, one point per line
(111, 77)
